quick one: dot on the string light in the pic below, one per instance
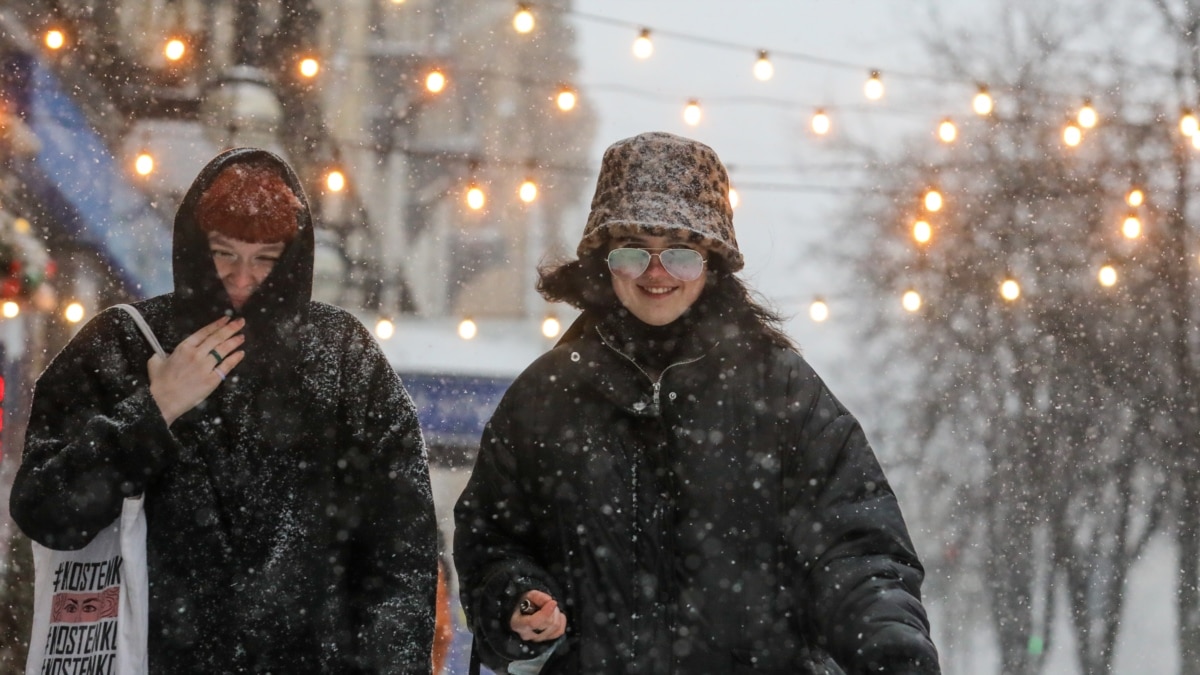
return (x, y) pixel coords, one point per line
(55, 39)
(734, 198)
(335, 180)
(74, 312)
(947, 132)
(691, 112)
(933, 201)
(566, 99)
(385, 329)
(467, 329)
(309, 67)
(10, 309)
(143, 164)
(1010, 290)
(1131, 227)
(1087, 116)
(821, 123)
(1196, 141)
(551, 326)
(643, 46)
(476, 198)
(175, 49)
(1188, 124)
(435, 82)
(523, 20)
(528, 191)
(1107, 276)
(983, 104)
(819, 310)
(922, 231)
(1072, 135)
(911, 301)
(874, 86)
(763, 70)
(1135, 197)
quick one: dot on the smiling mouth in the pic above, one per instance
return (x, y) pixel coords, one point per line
(657, 290)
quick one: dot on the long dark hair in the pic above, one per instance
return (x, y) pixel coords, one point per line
(586, 285)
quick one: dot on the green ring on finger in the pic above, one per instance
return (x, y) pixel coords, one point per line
(216, 355)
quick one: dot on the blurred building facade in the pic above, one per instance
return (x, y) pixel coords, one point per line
(87, 87)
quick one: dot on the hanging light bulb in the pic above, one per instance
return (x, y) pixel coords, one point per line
(874, 86)
(1196, 141)
(309, 67)
(475, 197)
(1188, 124)
(1107, 276)
(643, 46)
(933, 201)
(435, 81)
(1010, 290)
(1135, 197)
(467, 329)
(551, 326)
(763, 70)
(734, 198)
(523, 20)
(335, 180)
(10, 309)
(143, 164)
(74, 312)
(691, 112)
(947, 132)
(922, 231)
(819, 310)
(983, 103)
(528, 191)
(911, 301)
(566, 98)
(1072, 135)
(175, 49)
(385, 329)
(821, 123)
(55, 39)
(1131, 227)
(1087, 116)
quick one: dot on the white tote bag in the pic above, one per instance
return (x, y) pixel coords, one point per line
(91, 606)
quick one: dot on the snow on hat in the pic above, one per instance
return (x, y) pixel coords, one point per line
(250, 201)
(658, 183)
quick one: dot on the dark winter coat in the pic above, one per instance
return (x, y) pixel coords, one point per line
(725, 517)
(290, 519)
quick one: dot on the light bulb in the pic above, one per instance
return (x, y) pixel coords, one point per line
(528, 191)
(175, 49)
(476, 198)
(144, 164)
(818, 311)
(911, 301)
(1087, 116)
(566, 99)
(933, 201)
(55, 39)
(734, 198)
(1107, 276)
(335, 180)
(309, 67)
(1135, 198)
(983, 103)
(763, 70)
(435, 82)
(523, 20)
(385, 329)
(821, 123)
(922, 231)
(947, 132)
(1188, 124)
(10, 309)
(874, 86)
(643, 47)
(1010, 290)
(73, 312)
(551, 327)
(1072, 135)
(691, 113)
(467, 329)
(1131, 227)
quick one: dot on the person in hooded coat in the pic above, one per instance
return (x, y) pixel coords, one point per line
(290, 523)
(672, 488)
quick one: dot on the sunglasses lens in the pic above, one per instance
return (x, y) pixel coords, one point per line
(629, 263)
(682, 263)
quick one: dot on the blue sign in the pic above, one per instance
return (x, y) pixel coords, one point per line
(453, 409)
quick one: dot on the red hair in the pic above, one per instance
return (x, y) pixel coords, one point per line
(250, 201)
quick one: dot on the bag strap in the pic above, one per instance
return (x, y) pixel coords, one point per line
(144, 327)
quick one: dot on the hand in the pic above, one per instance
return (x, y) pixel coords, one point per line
(541, 621)
(182, 380)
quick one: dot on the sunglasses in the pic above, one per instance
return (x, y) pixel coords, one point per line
(682, 263)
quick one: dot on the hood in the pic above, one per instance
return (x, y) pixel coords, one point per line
(284, 295)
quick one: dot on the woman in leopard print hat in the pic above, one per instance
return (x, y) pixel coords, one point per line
(672, 489)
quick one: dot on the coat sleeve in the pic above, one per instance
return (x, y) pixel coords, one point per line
(390, 526)
(861, 576)
(494, 549)
(95, 436)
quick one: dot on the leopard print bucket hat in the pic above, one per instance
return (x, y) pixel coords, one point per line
(658, 183)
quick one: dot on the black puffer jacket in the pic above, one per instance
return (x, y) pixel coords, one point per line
(290, 520)
(729, 517)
